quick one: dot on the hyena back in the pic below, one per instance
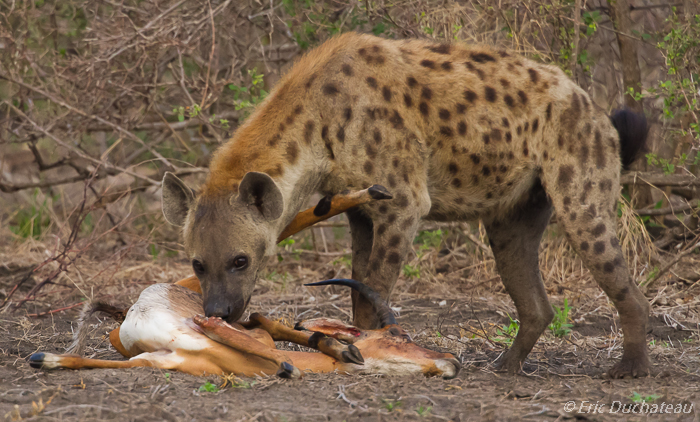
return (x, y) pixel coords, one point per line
(456, 133)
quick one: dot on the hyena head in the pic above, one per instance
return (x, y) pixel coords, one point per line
(226, 237)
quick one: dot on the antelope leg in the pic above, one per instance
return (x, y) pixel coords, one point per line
(221, 332)
(162, 360)
(330, 206)
(315, 340)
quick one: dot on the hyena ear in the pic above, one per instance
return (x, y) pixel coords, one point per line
(260, 190)
(177, 199)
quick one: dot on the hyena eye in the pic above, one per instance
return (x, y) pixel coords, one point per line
(240, 262)
(198, 267)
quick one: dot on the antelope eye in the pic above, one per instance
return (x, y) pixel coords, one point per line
(198, 267)
(240, 262)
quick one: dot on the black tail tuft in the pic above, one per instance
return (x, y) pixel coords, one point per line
(633, 130)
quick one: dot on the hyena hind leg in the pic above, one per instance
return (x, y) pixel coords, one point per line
(515, 243)
(588, 218)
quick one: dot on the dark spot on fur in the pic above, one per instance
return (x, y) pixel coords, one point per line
(614, 242)
(340, 134)
(475, 158)
(548, 112)
(534, 76)
(347, 70)
(428, 63)
(598, 247)
(440, 49)
(523, 97)
(470, 96)
(622, 294)
(505, 122)
(411, 81)
(426, 93)
(372, 82)
(598, 230)
(308, 131)
(446, 130)
(609, 267)
(496, 135)
(462, 127)
(292, 152)
(566, 175)
(605, 185)
(298, 109)
(560, 142)
(368, 167)
(386, 93)
(584, 246)
(407, 100)
(392, 180)
(509, 137)
(395, 241)
(452, 167)
(535, 125)
(526, 151)
(347, 113)
(330, 89)
(504, 83)
(444, 114)
(485, 170)
(391, 218)
(423, 108)
(583, 155)
(490, 94)
(370, 150)
(396, 120)
(395, 162)
(509, 101)
(393, 258)
(526, 126)
(486, 138)
(377, 136)
(447, 66)
(381, 229)
(482, 57)
(461, 108)
(456, 183)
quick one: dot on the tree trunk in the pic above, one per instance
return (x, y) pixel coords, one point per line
(632, 78)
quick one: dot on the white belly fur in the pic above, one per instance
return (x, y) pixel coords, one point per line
(152, 323)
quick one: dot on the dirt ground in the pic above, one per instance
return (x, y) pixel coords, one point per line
(456, 318)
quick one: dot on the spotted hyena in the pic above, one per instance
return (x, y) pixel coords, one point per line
(456, 132)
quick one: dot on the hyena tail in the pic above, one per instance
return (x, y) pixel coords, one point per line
(81, 332)
(633, 131)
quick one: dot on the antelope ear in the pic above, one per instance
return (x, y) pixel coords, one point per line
(177, 199)
(259, 190)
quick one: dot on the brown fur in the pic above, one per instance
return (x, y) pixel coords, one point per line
(455, 132)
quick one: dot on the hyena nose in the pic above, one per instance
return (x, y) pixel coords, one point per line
(220, 310)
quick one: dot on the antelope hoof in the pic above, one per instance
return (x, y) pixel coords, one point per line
(353, 355)
(509, 366)
(36, 360)
(288, 371)
(379, 192)
(450, 368)
(630, 368)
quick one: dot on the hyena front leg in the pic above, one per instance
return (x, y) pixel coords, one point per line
(393, 227)
(515, 241)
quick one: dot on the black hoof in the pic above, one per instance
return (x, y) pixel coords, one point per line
(379, 192)
(36, 360)
(288, 371)
(323, 207)
(353, 355)
(299, 327)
